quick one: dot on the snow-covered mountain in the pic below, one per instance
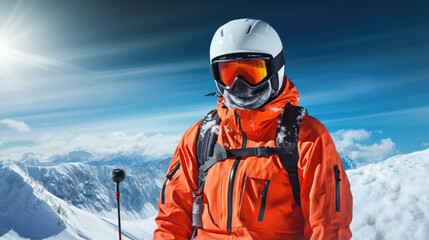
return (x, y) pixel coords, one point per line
(88, 185)
(90, 188)
(41, 199)
(74, 156)
(128, 159)
(29, 211)
(24, 202)
(66, 199)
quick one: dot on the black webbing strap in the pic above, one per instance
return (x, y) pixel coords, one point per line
(277, 62)
(288, 129)
(290, 163)
(221, 153)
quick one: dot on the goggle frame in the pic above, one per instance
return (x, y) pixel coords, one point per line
(273, 65)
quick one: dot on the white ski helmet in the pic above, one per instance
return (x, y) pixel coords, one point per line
(244, 39)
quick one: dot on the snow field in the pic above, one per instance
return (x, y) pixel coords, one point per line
(391, 198)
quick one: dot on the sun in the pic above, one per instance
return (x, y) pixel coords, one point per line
(4, 49)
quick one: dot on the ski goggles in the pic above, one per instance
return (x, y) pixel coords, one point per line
(254, 68)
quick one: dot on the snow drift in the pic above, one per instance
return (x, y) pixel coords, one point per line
(391, 198)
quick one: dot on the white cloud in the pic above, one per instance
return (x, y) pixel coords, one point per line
(16, 125)
(347, 144)
(118, 142)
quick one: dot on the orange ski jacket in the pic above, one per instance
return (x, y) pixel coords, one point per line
(234, 190)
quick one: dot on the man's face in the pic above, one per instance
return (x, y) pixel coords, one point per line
(242, 95)
(246, 80)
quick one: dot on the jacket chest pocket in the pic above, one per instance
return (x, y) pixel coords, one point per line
(269, 204)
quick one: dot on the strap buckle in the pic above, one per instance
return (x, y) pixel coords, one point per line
(262, 151)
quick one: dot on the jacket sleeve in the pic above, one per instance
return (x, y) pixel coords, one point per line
(174, 218)
(326, 199)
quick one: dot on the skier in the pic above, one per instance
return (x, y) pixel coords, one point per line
(258, 167)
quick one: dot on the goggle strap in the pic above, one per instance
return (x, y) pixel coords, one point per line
(277, 63)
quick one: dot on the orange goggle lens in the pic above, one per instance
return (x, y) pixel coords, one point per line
(252, 70)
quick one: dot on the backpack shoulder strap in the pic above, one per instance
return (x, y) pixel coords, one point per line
(206, 140)
(287, 137)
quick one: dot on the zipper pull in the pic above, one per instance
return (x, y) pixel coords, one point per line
(337, 173)
(173, 172)
(263, 201)
(337, 188)
(264, 192)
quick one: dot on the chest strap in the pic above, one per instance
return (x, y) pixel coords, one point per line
(288, 157)
(221, 153)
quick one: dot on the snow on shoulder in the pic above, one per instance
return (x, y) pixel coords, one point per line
(391, 198)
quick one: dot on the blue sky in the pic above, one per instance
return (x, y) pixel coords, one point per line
(99, 67)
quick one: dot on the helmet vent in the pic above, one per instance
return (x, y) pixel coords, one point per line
(221, 32)
(248, 30)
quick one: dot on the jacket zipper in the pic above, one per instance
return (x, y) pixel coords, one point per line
(168, 178)
(337, 188)
(264, 201)
(232, 177)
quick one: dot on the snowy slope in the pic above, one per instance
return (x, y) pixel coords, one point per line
(90, 188)
(21, 210)
(391, 198)
(29, 211)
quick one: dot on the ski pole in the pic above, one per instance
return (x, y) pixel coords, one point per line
(117, 176)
